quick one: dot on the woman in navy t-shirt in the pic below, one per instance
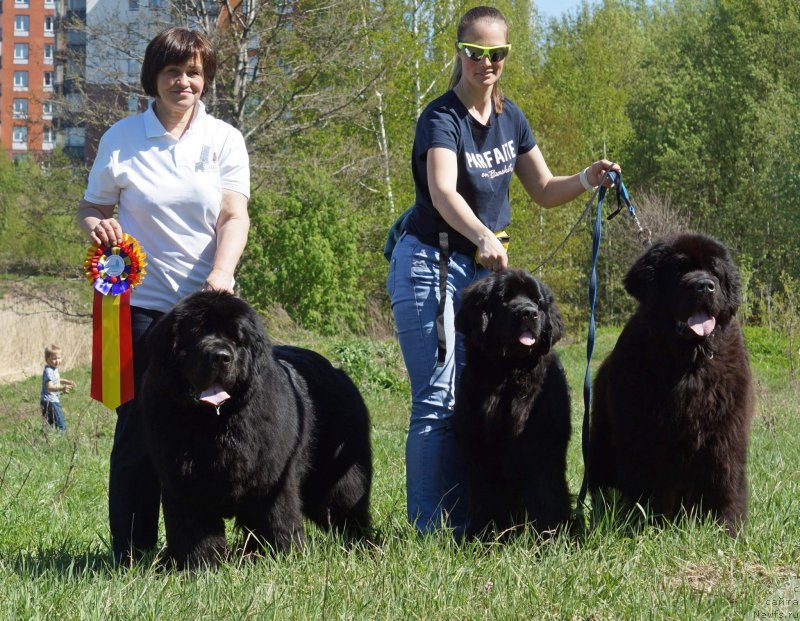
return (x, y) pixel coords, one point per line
(467, 144)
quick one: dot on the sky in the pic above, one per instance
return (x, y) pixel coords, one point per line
(555, 8)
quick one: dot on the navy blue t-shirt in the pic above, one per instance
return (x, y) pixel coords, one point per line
(486, 157)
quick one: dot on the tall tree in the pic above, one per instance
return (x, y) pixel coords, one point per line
(716, 118)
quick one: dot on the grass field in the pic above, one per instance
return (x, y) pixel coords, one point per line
(54, 548)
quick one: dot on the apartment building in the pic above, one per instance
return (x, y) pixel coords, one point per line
(27, 71)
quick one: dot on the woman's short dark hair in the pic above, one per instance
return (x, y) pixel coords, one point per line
(175, 46)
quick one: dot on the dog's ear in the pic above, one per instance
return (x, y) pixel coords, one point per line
(730, 281)
(473, 316)
(640, 281)
(260, 346)
(554, 329)
(160, 339)
(732, 288)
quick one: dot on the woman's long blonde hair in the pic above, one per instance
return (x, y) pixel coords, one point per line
(488, 13)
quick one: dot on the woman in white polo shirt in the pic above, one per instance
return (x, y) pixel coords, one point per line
(180, 181)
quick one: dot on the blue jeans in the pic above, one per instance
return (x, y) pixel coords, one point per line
(53, 413)
(435, 490)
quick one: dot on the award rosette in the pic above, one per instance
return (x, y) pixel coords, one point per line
(113, 272)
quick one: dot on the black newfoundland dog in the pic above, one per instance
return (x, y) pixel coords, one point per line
(239, 428)
(673, 401)
(512, 412)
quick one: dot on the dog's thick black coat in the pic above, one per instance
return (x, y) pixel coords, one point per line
(512, 411)
(292, 439)
(673, 401)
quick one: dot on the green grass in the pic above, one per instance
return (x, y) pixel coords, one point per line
(54, 548)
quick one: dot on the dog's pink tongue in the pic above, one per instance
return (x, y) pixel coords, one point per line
(526, 338)
(701, 324)
(215, 396)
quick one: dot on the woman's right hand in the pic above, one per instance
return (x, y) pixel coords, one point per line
(491, 253)
(106, 232)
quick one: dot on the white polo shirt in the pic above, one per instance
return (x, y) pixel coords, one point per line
(168, 193)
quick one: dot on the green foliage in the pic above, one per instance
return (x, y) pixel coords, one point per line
(372, 365)
(786, 312)
(302, 254)
(38, 233)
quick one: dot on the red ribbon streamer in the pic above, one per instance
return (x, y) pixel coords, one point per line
(112, 350)
(113, 273)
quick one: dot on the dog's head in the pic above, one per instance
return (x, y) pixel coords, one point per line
(689, 281)
(211, 344)
(509, 313)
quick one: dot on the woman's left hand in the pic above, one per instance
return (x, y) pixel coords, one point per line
(597, 171)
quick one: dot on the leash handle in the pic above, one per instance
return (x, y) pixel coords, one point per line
(623, 196)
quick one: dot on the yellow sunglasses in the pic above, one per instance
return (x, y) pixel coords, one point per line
(479, 52)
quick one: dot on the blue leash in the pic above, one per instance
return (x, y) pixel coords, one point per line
(597, 233)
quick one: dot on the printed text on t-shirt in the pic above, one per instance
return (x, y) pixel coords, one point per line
(492, 157)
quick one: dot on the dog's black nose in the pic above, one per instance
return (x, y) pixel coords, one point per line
(705, 285)
(530, 312)
(220, 356)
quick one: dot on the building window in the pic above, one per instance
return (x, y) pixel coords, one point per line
(48, 137)
(49, 25)
(74, 136)
(48, 53)
(22, 4)
(20, 108)
(20, 139)
(134, 68)
(47, 109)
(20, 80)
(133, 5)
(22, 25)
(47, 80)
(49, 4)
(20, 53)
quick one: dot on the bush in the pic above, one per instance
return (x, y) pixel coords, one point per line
(302, 253)
(373, 365)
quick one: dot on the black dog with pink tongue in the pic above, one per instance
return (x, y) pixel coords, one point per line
(240, 429)
(673, 401)
(512, 410)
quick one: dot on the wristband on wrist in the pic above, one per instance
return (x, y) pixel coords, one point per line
(585, 181)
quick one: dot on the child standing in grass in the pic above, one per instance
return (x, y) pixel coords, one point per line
(52, 385)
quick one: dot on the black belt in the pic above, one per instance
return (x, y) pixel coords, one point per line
(457, 243)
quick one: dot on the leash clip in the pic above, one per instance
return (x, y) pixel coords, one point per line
(645, 236)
